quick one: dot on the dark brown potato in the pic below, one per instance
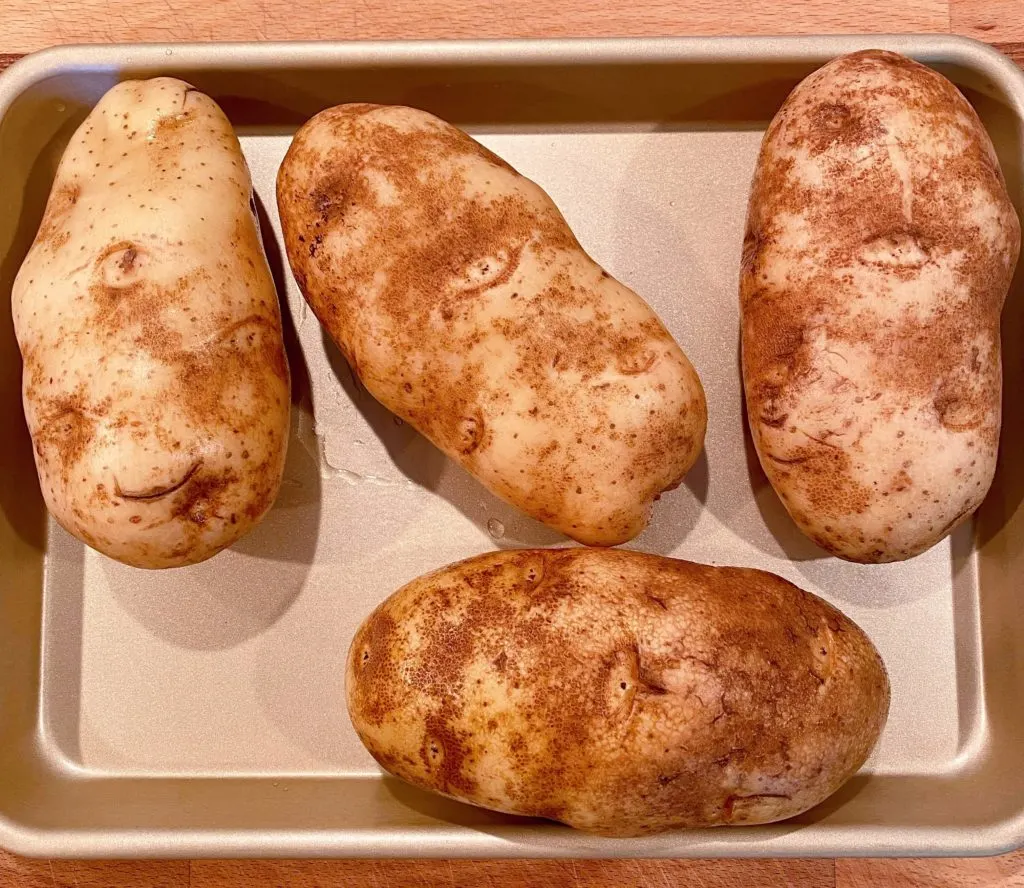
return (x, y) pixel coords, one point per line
(617, 692)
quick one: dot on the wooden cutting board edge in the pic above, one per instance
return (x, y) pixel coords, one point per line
(1014, 50)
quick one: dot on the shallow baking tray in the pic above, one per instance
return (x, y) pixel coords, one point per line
(200, 712)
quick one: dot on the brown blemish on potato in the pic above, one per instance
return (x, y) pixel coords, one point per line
(445, 751)
(118, 267)
(127, 262)
(377, 670)
(441, 263)
(825, 475)
(834, 124)
(897, 250)
(247, 349)
(507, 261)
(66, 428)
(264, 484)
(634, 359)
(956, 412)
(745, 808)
(125, 302)
(472, 428)
(53, 230)
(168, 125)
(199, 500)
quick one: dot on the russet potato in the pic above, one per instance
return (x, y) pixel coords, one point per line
(155, 384)
(880, 245)
(464, 304)
(618, 692)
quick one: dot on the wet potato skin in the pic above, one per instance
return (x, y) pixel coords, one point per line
(463, 302)
(155, 383)
(618, 692)
(879, 250)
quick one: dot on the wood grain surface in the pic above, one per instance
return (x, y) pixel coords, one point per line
(30, 24)
(997, 872)
(26, 25)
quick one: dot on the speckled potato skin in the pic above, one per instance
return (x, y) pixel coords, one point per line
(879, 249)
(461, 299)
(155, 382)
(617, 692)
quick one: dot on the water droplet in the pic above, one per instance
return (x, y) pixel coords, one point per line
(398, 421)
(61, 107)
(170, 52)
(495, 528)
(671, 203)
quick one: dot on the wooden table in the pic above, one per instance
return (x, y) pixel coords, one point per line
(26, 25)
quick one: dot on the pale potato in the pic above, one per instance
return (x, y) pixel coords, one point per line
(879, 249)
(617, 692)
(463, 302)
(155, 385)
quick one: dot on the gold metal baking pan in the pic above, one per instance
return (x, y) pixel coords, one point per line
(199, 712)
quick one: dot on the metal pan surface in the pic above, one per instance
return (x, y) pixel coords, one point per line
(200, 712)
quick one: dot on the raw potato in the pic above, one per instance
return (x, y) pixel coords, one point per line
(618, 692)
(880, 246)
(463, 302)
(155, 386)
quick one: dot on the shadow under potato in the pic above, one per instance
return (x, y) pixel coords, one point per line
(223, 602)
(676, 512)
(440, 807)
(220, 603)
(423, 464)
(783, 529)
(840, 798)
(1007, 491)
(542, 833)
(777, 521)
(20, 499)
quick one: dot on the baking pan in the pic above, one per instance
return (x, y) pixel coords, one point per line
(199, 712)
